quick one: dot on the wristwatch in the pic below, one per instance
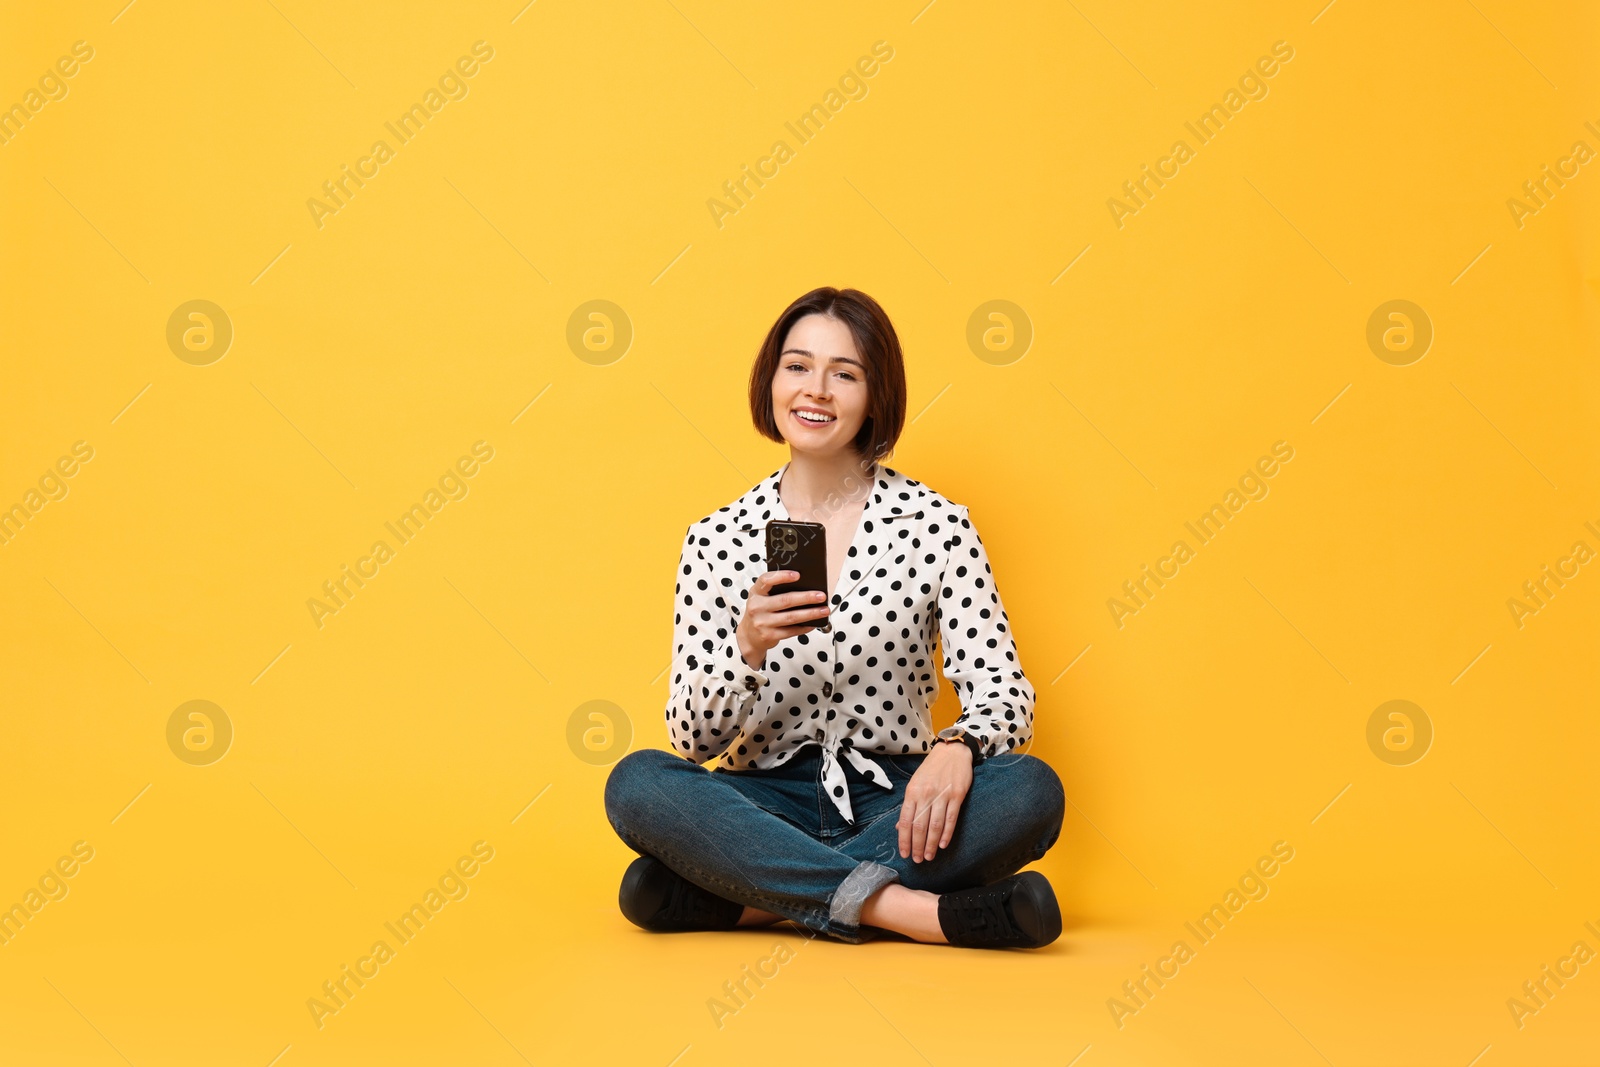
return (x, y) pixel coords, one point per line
(958, 733)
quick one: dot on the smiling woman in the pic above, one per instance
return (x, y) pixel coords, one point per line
(818, 737)
(851, 342)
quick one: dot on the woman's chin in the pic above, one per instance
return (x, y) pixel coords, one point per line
(832, 451)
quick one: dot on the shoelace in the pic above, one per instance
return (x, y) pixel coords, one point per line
(689, 904)
(984, 917)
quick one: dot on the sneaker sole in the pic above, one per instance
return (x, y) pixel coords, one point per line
(1033, 905)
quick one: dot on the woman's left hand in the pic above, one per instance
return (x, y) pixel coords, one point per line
(933, 799)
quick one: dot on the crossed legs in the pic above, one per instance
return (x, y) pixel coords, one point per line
(713, 833)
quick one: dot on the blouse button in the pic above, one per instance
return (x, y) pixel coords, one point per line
(827, 689)
(751, 684)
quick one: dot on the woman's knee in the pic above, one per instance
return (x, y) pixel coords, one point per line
(634, 779)
(1037, 782)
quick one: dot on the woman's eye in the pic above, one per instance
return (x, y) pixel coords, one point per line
(848, 376)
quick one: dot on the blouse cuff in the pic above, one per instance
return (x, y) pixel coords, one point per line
(745, 680)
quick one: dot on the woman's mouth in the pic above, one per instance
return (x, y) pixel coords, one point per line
(813, 418)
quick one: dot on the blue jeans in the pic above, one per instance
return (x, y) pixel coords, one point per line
(772, 839)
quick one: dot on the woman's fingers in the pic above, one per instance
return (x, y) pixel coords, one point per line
(784, 615)
(806, 598)
(770, 619)
(919, 829)
(950, 814)
(942, 826)
(913, 826)
(936, 815)
(908, 814)
(765, 581)
(928, 822)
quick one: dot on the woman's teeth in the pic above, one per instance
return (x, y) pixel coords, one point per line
(813, 417)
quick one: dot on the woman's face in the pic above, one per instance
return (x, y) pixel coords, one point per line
(819, 373)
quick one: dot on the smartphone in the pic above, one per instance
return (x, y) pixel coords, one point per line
(801, 547)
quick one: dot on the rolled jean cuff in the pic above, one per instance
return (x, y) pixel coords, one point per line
(859, 884)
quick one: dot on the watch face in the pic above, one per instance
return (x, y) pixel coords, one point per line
(961, 739)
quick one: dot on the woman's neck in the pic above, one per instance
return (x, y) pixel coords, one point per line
(814, 483)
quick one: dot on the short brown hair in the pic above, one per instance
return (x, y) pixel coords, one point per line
(879, 346)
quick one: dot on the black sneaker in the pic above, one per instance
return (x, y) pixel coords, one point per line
(657, 898)
(1015, 912)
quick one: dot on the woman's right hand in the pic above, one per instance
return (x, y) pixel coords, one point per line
(767, 619)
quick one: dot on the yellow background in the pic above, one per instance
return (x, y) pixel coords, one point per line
(1228, 314)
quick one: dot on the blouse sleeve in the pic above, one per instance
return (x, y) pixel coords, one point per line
(713, 688)
(980, 656)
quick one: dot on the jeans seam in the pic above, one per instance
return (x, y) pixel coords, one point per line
(862, 828)
(1014, 864)
(1032, 853)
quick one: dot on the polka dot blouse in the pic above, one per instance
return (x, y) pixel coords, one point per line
(915, 573)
